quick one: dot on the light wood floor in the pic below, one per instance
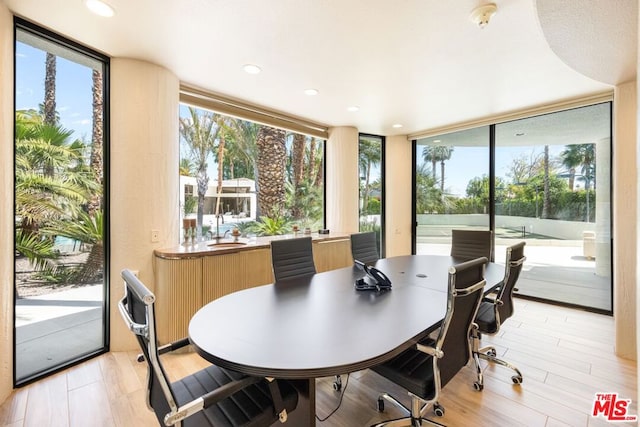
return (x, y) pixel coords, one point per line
(566, 356)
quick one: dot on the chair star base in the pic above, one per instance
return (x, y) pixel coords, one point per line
(489, 354)
(416, 413)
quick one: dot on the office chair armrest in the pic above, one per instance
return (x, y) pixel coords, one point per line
(431, 351)
(172, 346)
(167, 348)
(208, 399)
(493, 300)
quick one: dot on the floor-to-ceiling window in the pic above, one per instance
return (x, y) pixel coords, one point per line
(553, 187)
(371, 169)
(451, 187)
(238, 174)
(61, 238)
(545, 180)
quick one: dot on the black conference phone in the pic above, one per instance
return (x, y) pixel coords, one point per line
(375, 280)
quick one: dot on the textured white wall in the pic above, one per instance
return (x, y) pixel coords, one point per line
(144, 174)
(341, 182)
(398, 182)
(625, 218)
(6, 201)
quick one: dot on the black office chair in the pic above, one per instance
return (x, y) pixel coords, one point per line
(471, 244)
(364, 247)
(210, 397)
(426, 368)
(494, 310)
(292, 258)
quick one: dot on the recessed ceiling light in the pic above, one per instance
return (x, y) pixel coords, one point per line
(397, 125)
(311, 92)
(353, 108)
(99, 8)
(520, 134)
(437, 141)
(252, 69)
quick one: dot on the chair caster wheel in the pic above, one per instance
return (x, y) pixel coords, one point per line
(491, 352)
(438, 409)
(380, 404)
(140, 358)
(478, 387)
(337, 384)
(517, 379)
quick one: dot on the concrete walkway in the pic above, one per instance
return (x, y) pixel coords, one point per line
(55, 328)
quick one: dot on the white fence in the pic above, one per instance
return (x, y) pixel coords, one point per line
(566, 230)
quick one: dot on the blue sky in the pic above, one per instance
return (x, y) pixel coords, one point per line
(73, 88)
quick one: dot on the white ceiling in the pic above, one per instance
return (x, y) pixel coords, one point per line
(421, 63)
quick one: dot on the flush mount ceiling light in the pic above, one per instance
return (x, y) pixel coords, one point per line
(397, 125)
(482, 14)
(311, 92)
(251, 69)
(99, 8)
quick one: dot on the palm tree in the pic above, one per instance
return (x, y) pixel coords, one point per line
(87, 229)
(584, 156)
(546, 199)
(428, 196)
(429, 154)
(186, 167)
(436, 154)
(271, 162)
(200, 132)
(244, 149)
(369, 155)
(51, 182)
(443, 153)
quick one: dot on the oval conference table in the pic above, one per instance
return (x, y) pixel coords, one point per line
(320, 325)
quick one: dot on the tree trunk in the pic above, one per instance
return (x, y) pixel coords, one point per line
(95, 201)
(312, 158)
(572, 178)
(203, 184)
(220, 168)
(546, 200)
(50, 89)
(442, 178)
(271, 170)
(94, 266)
(297, 160)
(50, 99)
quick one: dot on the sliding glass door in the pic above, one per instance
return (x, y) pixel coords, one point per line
(61, 239)
(452, 187)
(553, 187)
(545, 180)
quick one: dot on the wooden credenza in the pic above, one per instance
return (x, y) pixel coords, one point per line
(187, 279)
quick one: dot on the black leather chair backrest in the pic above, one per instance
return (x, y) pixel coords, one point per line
(466, 288)
(292, 258)
(513, 267)
(364, 247)
(139, 304)
(471, 244)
